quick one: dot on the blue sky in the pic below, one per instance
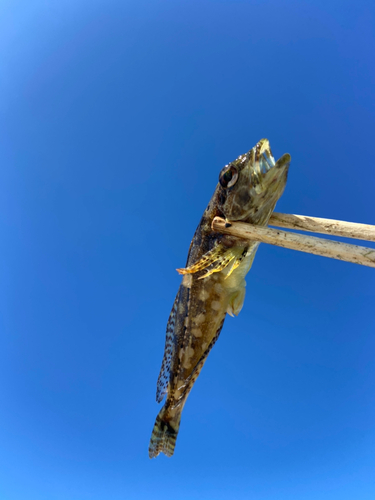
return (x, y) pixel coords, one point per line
(116, 118)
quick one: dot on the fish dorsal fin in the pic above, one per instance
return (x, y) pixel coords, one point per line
(169, 349)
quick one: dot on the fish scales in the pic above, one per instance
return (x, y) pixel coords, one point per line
(213, 281)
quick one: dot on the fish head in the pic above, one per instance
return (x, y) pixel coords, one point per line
(250, 186)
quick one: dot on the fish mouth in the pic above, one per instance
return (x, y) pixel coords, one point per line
(268, 174)
(264, 162)
(280, 168)
(265, 170)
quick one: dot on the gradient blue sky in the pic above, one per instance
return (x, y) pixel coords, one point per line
(116, 118)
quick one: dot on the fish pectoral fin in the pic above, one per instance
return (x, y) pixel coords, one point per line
(208, 258)
(231, 257)
(236, 301)
(217, 259)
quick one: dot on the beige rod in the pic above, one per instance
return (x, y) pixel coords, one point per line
(324, 226)
(303, 243)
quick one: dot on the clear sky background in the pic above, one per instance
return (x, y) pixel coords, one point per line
(116, 118)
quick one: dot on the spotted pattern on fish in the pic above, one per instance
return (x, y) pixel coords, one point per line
(213, 282)
(164, 435)
(198, 367)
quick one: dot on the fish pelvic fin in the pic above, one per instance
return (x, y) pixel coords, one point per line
(164, 434)
(236, 301)
(217, 259)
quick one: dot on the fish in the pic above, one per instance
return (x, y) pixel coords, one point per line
(213, 283)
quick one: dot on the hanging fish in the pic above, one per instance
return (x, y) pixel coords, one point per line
(213, 281)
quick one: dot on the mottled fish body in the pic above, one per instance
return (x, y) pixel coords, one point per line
(214, 281)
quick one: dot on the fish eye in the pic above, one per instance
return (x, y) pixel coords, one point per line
(228, 176)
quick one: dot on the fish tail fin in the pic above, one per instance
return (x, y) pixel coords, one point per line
(164, 435)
